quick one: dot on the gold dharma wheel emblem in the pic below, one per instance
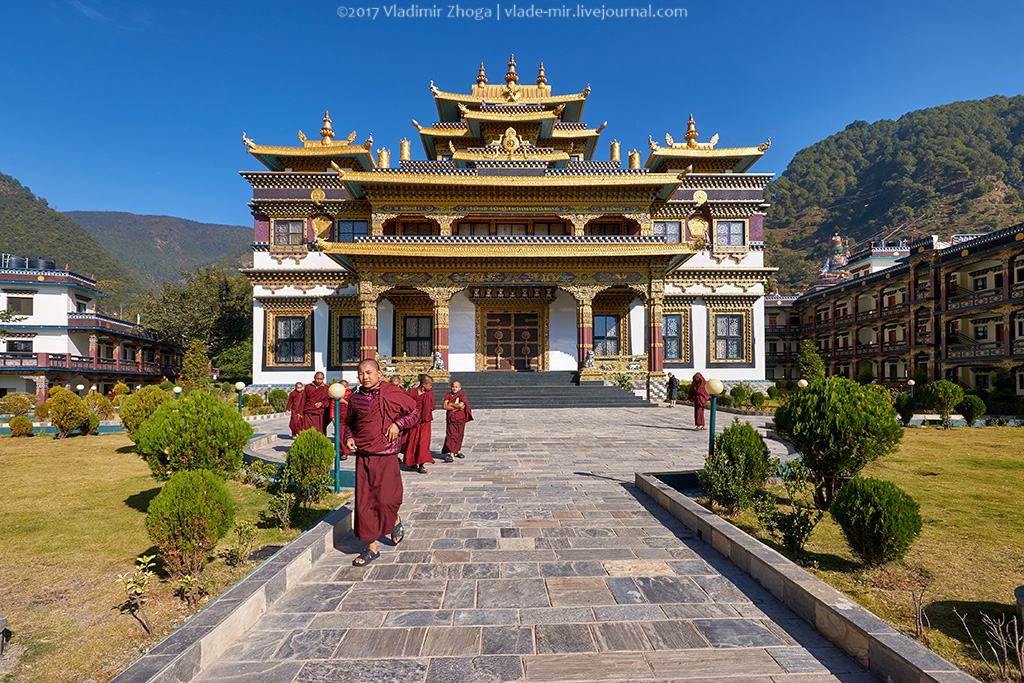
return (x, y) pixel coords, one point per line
(700, 196)
(510, 141)
(317, 195)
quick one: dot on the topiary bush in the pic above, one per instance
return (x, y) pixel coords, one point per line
(140, 406)
(100, 406)
(92, 425)
(68, 411)
(739, 466)
(878, 519)
(20, 426)
(195, 367)
(905, 406)
(773, 392)
(809, 365)
(278, 398)
(838, 426)
(308, 463)
(42, 411)
(971, 408)
(252, 400)
(17, 403)
(942, 397)
(196, 432)
(122, 389)
(740, 394)
(757, 400)
(723, 401)
(186, 519)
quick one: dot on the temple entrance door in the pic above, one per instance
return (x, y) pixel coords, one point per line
(512, 341)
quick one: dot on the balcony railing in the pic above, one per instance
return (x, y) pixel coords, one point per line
(776, 329)
(969, 299)
(67, 361)
(890, 346)
(842, 319)
(776, 356)
(898, 309)
(844, 352)
(108, 323)
(975, 350)
(611, 366)
(405, 366)
(867, 315)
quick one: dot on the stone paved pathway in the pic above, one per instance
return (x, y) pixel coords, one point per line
(536, 559)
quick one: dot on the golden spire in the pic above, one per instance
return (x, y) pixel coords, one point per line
(327, 132)
(691, 133)
(481, 78)
(511, 76)
(541, 78)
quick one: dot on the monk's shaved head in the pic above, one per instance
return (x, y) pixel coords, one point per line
(369, 361)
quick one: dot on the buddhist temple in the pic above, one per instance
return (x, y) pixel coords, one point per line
(508, 246)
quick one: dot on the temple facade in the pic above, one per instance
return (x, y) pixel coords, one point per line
(508, 248)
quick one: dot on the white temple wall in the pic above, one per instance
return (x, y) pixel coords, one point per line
(385, 328)
(461, 334)
(562, 332)
(637, 328)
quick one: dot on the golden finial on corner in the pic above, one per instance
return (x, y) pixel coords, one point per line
(481, 78)
(765, 146)
(327, 132)
(511, 76)
(602, 126)
(433, 89)
(247, 142)
(368, 143)
(691, 133)
(586, 91)
(651, 143)
(541, 78)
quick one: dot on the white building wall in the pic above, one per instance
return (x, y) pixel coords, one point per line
(385, 328)
(461, 334)
(321, 326)
(562, 332)
(637, 328)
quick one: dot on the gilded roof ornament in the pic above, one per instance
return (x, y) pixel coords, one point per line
(691, 133)
(651, 143)
(512, 76)
(481, 78)
(369, 142)
(433, 89)
(302, 137)
(765, 146)
(541, 78)
(327, 133)
(510, 141)
(247, 142)
(586, 91)
(351, 137)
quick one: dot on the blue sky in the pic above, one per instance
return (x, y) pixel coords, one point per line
(136, 106)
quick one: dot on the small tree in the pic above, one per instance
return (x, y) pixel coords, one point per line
(878, 519)
(739, 466)
(942, 397)
(809, 365)
(838, 426)
(195, 367)
(278, 399)
(139, 406)
(196, 432)
(757, 399)
(68, 411)
(971, 408)
(309, 462)
(906, 406)
(790, 527)
(740, 394)
(100, 406)
(17, 404)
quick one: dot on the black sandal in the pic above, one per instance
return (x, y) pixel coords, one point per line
(367, 556)
(398, 533)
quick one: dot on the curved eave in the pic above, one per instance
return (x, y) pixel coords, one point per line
(743, 157)
(273, 157)
(448, 105)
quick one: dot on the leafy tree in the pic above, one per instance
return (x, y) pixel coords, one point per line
(809, 365)
(8, 316)
(235, 362)
(838, 426)
(195, 367)
(942, 397)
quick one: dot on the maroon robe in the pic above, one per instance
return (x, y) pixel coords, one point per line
(700, 396)
(295, 406)
(313, 417)
(378, 478)
(455, 423)
(417, 440)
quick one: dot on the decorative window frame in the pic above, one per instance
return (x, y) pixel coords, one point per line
(286, 307)
(281, 252)
(338, 307)
(740, 306)
(683, 307)
(728, 249)
(615, 304)
(409, 306)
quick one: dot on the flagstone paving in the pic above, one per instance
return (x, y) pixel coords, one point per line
(536, 559)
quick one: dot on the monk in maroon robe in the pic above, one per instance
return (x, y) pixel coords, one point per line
(314, 405)
(700, 397)
(377, 414)
(417, 440)
(457, 414)
(294, 408)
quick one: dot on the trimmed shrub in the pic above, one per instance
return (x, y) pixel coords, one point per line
(20, 426)
(757, 399)
(195, 367)
(166, 385)
(186, 519)
(739, 466)
(198, 432)
(139, 406)
(17, 404)
(122, 389)
(92, 425)
(723, 401)
(878, 519)
(227, 387)
(278, 398)
(740, 394)
(42, 411)
(68, 411)
(942, 397)
(838, 426)
(971, 408)
(790, 385)
(309, 462)
(252, 400)
(865, 376)
(100, 406)
(905, 406)
(773, 392)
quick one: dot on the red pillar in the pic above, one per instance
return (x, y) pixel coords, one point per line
(368, 331)
(656, 346)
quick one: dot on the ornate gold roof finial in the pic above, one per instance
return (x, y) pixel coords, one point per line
(615, 150)
(634, 159)
(405, 154)
(511, 76)
(541, 78)
(327, 132)
(481, 78)
(691, 133)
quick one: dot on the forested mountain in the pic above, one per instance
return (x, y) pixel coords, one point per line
(29, 227)
(956, 168)
(159, 248)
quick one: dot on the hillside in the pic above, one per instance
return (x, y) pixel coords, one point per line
(949, 169)
(158, 248)
(29, 227)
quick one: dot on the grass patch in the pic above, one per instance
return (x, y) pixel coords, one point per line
(71, 519)
(970, 554)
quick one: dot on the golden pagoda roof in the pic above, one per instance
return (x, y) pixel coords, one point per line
(278, 158)
(702, 156)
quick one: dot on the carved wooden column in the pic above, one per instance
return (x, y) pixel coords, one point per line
(444, 222)
(584, 295)
(369, 295)
(644, 221)
(378, 220)
(441, 297)
(655, 343)
(578, 221)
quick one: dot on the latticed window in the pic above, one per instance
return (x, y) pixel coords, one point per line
(549, 228)
(289, 233)
(467, 228)
(349, 230)
(606, 335)
(670, 230)
(348, 339)
(417, 228)
(672, 336)
(19, 346)
(290, 340)
(729, 233)
(510, 229)
(417, 339)
(605, 229)
(729, 337)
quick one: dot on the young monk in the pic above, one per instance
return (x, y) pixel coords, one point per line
(700, 397)
(417, 440)
(457, 414)
(377, 414)
(294, 407)
(314, 405)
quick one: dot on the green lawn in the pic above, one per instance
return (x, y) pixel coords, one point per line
(71, 520)
(969, 483)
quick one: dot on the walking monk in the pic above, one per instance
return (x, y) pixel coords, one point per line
(457, 414)
(295, 408)
(377, 414)
(314, 405)
(700, 396)
(417, 439)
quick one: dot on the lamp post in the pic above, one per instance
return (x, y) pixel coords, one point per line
(715, 387)
(802, 384)
(911, 383)
(337, 391)
(81, 388)
(239, 387)
(177, 393)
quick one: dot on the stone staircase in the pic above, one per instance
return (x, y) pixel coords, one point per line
(537, 390)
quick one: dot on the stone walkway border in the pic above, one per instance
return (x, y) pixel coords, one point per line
(199, 642)
(880, 648)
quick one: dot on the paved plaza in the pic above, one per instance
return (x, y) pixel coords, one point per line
(537, 559)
